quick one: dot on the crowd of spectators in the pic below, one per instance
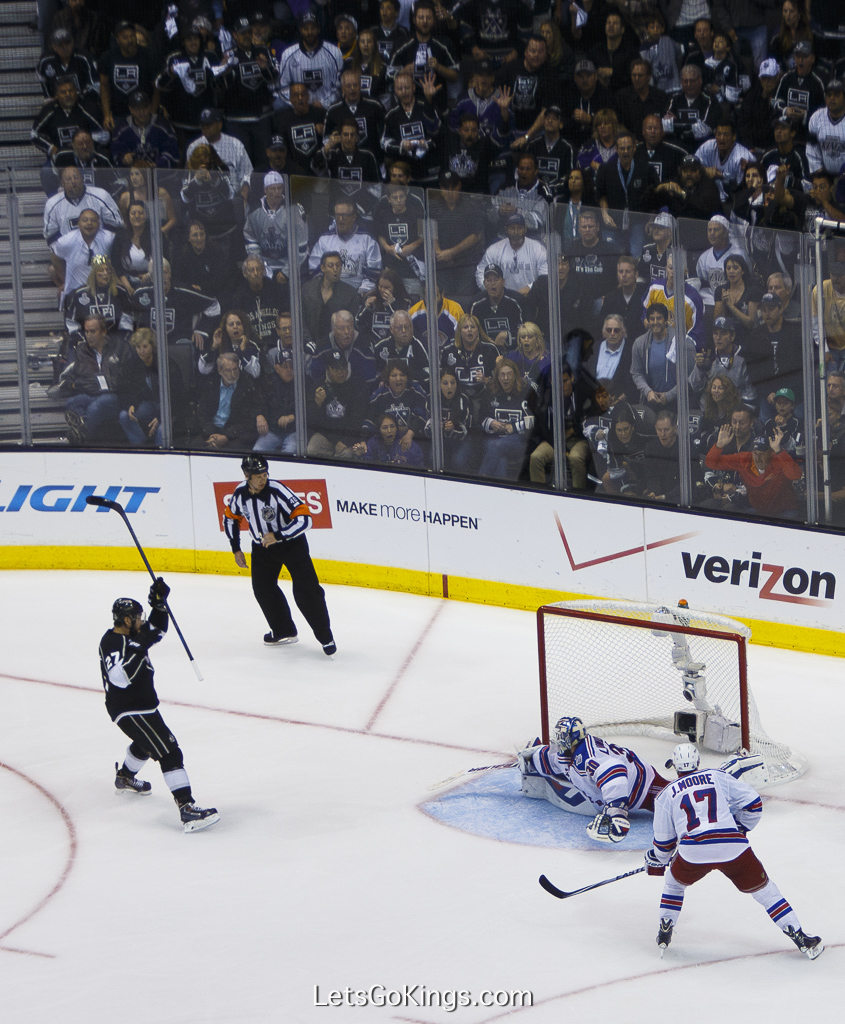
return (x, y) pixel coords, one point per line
(304, 135)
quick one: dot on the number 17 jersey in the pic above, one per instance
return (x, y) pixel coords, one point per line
(699, 814)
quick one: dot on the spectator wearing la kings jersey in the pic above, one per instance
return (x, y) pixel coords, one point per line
(800, 93)
(500, 315)
(691, 116)
(187, 82)
(82, 155)
(826, 134)
(490, 28)
(786, 153)
(358, 249)
(469, 154)
(664, 157)
(471, 357)
(341, 159)
(312, 62)
(396, 225)
(266, 230)
(724, 159)
(522, 259)
(533, 85)
(125, 69)
(230, 149)
(389, 34)
(402, 345)
(368, 114)
(410, 129)
(61, 118)
(277, 520)
(301, 124)
(189, 316)
(423, 55)
(65, 62)
(247, 84)
(553, 153)
(61, 211)
(656, 253)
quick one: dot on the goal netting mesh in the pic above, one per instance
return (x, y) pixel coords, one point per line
(619, 667)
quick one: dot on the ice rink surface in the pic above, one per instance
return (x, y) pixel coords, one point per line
(328, 870)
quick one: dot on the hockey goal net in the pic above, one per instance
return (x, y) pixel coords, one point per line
(623, 667)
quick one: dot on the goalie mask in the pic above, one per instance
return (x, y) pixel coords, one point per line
(685, 758)
(568, 733)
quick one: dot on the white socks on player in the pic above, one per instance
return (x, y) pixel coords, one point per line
(133, 764)
(770, 898)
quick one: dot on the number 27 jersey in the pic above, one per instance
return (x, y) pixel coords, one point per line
(699, 814)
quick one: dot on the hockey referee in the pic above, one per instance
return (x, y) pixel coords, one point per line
(277, 520)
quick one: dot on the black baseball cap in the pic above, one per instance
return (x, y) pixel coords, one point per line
(277, 142)
(210, 114)
(139, 99)
(494, 268)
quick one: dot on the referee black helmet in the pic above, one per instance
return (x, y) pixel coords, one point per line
(254, 464)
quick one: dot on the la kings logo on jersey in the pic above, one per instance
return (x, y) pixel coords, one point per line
(313, 78)
(411, 131)
(304, 138)
(250, 75)
(126, 77)
(463, 164)
(548, 167)
(494, 26)
(350, 178)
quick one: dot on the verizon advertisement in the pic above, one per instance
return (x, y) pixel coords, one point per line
(435, 526)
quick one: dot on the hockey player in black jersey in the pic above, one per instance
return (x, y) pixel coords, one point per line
(132, 703)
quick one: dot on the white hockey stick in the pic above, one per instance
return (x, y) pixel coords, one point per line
(472, 771)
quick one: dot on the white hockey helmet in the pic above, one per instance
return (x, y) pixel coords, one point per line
(685, 758)
(568, 733)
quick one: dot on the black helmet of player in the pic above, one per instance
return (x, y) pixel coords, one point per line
(568, 733)
(125, 607)
(254, 464)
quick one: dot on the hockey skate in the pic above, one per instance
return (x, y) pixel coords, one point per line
(194, 818)
(664, 936)
(124, 783)
(330, 648)
(810, 945)
(271, 640)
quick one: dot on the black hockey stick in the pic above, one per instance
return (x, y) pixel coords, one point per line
(93, 499)
(561, 895)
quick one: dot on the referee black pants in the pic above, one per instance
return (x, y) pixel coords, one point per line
(310, 599)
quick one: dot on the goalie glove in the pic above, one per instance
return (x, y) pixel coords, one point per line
(609, 826)
(654, 866)
(158, 594)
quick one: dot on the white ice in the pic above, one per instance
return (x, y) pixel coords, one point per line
(323, 873)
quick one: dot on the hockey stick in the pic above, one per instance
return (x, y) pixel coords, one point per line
(93, 499)
(472, 771)
(561, 895)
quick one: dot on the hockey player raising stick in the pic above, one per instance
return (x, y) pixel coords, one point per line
(132, 702)
(585, 774)
(701, 820)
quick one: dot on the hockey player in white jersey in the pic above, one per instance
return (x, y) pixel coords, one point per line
(700, 825)
(588, 775)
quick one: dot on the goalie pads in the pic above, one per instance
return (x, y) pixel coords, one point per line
(609, 826)
(748, 768)
(721, 735)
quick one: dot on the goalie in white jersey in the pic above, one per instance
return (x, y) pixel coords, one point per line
(587, 775)
(700, 825)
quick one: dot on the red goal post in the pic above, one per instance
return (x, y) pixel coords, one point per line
(619, 666)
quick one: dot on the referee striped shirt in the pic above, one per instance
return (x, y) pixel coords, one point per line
(275, 509)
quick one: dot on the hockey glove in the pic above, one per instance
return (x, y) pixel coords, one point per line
(653, 865)
(609, 827)
(158, 594)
